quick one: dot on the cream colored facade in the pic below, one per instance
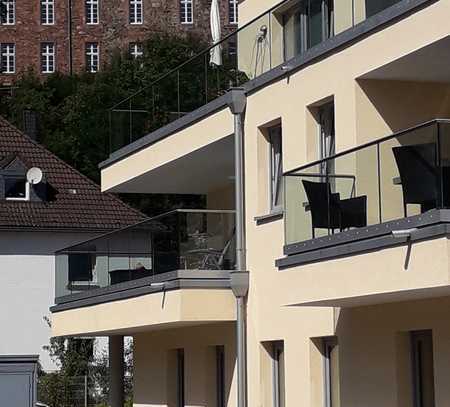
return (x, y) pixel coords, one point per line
(370, 302)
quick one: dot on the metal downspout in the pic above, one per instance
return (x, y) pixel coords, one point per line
(239, 278)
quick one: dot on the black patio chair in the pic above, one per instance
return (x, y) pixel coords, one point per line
(419, 175)
(214, 259)
(329, 211)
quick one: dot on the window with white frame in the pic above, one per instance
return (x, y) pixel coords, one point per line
(136, 50)
(9, 12)
(91, 7)
(233, 11)
(136, 16)
(8, 52)
(186, 12)
(47, 12)
(92, 57)
(47, 57)
(276, 167)
(17, 189)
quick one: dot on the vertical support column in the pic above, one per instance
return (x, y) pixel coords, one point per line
(116, 371)
(239, 279)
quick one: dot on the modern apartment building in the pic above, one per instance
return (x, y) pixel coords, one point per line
(80, 35)
(328, 282)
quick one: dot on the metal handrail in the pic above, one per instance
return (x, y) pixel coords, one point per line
(135, 225)
(200, 54)
(369, 144)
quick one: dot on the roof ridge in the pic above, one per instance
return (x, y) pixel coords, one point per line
(61, 161)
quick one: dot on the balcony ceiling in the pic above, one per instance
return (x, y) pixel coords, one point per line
(427, 64)
(380, 298)
(206, 169)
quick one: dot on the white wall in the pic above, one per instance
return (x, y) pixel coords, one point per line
(27, 281)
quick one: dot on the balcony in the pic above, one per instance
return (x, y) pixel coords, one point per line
(291, 33)
(183, 240)
(361, 226)
(393, 188)
(171, 265)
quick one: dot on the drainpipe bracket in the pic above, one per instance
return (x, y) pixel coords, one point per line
(239, 283)
(237, 100)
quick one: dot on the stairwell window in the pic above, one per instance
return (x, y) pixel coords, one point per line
(186, 12)
(48, 57)
(9, 12)
(233, 11)
(8, 52)
(136, 16)
(47, 12)
(92, 57)
(276, 168)
(91, 7)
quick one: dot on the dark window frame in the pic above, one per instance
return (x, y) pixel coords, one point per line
(420, 341)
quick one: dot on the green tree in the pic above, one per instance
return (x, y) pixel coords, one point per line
(74, 116)
(78, 365)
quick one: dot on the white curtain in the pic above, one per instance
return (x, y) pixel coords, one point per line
(216, 52)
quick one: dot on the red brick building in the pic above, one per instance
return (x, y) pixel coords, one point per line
(78, 35)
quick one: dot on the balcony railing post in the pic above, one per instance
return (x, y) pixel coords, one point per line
(130, 122)
(440, 203)
(380, 213)
(178, 94)
(110, 130)
(206, 77)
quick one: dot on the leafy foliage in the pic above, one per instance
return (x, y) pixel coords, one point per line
(80, 370)
(73, 111)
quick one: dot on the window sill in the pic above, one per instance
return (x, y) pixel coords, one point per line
(275, 215)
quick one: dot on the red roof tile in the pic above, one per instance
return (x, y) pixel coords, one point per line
(88, 208)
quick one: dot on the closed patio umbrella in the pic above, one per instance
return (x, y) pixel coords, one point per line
(216, 52)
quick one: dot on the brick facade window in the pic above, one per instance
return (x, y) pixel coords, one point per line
(136, 50)
(47, 57)
(233, 11)
(186, 12)
(9, 12)
(8, 56)
(47, 12)
(91, 7)
(92, 57)
(136, 16)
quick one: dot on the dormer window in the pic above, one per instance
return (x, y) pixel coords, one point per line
(17, 189)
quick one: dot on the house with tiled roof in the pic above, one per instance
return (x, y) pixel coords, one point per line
(36, 220)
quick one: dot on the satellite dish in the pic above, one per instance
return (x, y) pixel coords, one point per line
(34, 175)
